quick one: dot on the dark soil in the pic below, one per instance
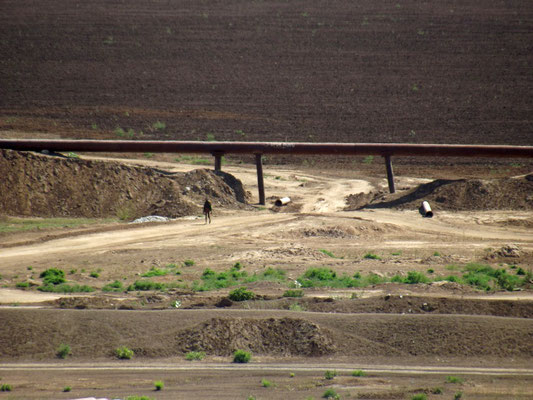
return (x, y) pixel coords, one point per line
(36, 334)
(455, 195)
(49, 186)
(446, 72)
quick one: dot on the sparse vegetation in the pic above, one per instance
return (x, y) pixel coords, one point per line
(241, 294)
(358, 372)
(293, 293)
(241, 356)
(115, 286)
(195, 355)
(65, 288)
(159, 126)
(188, 263)
(266, 383)
(6, 387)
(124, 353)
(458, 395)
(63, 351)
(371, 256)
(328, 253)
(330, 374)
(331, 394)
(155, 272)
(454, 379)
(419, 396)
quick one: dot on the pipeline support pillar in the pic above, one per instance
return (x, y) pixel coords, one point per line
(390, 174)
(260, 181)
(218, 160)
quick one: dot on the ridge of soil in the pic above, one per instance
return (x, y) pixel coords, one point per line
(97, 333)
(49, 186)
(454, 195)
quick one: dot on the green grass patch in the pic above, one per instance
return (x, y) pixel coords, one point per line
(155, 272)
(358, 372)
(241, 356)
(328, 253)
(63, 351)
(53, 276)
(329, 374)
(241, 294)
(159, 385)
(144, 285)
(65, 288)
(115, 286)
(331, 394)
(266, 383)
(371, 256)
(195, 355)
(6, 387)
(419, 396)
(124, 353)
(13, 224)
(293, 293)
(326, 277)
(454, 379)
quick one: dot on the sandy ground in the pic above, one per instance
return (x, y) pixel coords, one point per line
(291, 240)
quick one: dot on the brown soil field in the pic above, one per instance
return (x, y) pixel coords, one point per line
(310, 71)
(452, 72)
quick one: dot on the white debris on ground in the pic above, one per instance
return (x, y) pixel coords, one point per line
(150, 218)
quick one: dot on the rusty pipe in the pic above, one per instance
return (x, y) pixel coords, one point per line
(379, 149)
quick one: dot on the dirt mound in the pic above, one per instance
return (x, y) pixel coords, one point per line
(458, 195)
(48, 186)
(284, 336)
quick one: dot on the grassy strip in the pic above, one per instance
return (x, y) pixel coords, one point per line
(12, 224)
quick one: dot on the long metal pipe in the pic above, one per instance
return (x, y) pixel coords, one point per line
(378, 149)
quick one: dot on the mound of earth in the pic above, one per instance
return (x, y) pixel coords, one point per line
(284, 336)
(49, 186)
(456, 195)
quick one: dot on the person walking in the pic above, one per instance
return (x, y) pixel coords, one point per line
(207, 210)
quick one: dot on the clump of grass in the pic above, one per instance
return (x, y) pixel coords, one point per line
(124, 353)
(241, 356)
(266, 383)
(154, 272)
(67, 389)
(159, 385)
(63, 351)
(330, 374)
(326, 277)
(295, 307)
(454, 379)
(436, 390)
(419, 396)
(458, 395)
(159, 126)
(241, 294)
(331, 394)
(22, 285)
(144, 285)
(195, 355)
(53, 276)
(188, 263)
(65, 288)
(371, 256)
(293, 293)
(94, 274)
(113, 287)
(414, 277)
(327, 253)
(6, 387)
(358, 372)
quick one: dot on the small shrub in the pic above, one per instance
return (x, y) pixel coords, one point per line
(414, 277)
(65, 288)
(266, 383)
(146, 285)
(436, 390)
(371, 256)
(436, 254)
(67, 389)
(6, 388)
(330, 374)
(63, 351)
(195, 355)
(159, 126)
(520, 271)
(159, 385)
(154, 272)
(331, 394)
(124, 353)
(188, 263)
(295, 307)
(241, 294)
(113, 287)
(430, 271)
(94, 274)
(53, 276)
(22, 285)
(241, 356)
(458, 395)
(454, 379)
(358, 373)
(293, 293)
(419, 396)
(291, 374)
